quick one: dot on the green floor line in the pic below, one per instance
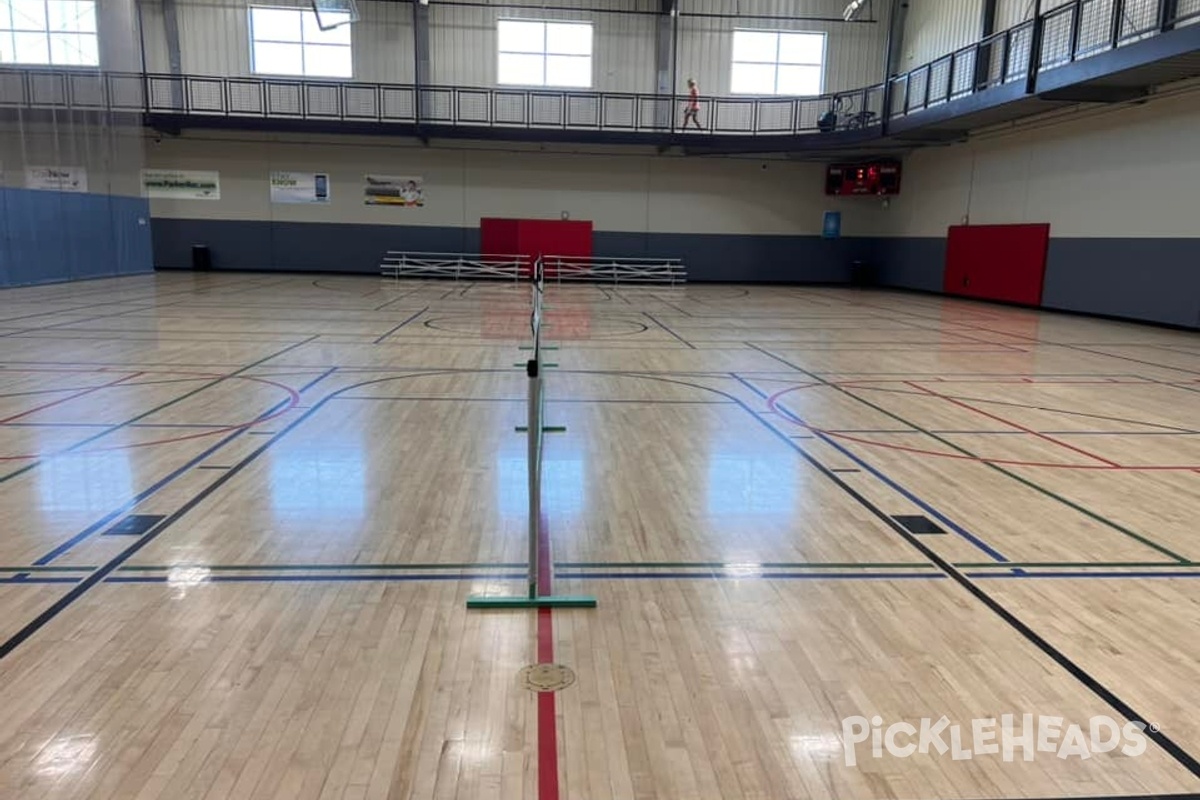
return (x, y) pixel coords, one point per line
(553, 601)
(1025, 481)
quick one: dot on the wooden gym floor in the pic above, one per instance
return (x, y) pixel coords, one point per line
(242, 514)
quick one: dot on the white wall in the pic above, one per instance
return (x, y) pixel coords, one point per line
(628, 193)
(1131, 172)
(1010, 13)
(935, 28)
(854, 53)
(214, 40)
(462, 43)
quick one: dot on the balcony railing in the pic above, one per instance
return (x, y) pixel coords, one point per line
(452, 106)
(1070, 32)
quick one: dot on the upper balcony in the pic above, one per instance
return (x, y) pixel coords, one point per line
(1082, 51)
(287, 104)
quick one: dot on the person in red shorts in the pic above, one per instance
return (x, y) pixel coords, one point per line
(692, 109)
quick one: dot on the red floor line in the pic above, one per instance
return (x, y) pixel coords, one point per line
(1017, 426)
(547, 714)
(70, 397)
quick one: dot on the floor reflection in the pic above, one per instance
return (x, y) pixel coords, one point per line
(91, 482)
(320, 480)
(752, 485)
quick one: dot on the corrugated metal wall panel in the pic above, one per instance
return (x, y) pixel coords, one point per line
(853, 52)
(935, 28)
(214, 36)
(1010, 13)
(153, 35)
(463, 44)
(383, 43)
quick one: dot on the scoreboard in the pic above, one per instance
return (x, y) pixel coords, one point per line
(868, 178)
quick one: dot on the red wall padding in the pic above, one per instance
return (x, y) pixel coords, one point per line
(535, 237)
(997, 262)
(498, 237)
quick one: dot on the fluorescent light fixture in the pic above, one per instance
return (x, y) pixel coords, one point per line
(853, 10)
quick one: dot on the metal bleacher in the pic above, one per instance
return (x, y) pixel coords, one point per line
(558, 269)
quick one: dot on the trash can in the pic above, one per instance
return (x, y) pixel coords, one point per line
(201, 257)
(860, 274)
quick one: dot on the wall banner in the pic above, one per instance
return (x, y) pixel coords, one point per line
(181, 184)
(299, 187)
(56, 179)
(390, 190)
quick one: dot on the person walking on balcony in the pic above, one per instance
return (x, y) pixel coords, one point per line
(692, 109)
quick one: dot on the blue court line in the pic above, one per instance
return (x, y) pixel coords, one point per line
(410, 578)
(129, 505)
(954, 526)
(727, 575)
(1098, 574)
(748, 385)
(37, 579)
(178, 425)
(56, 425)
(891, 432)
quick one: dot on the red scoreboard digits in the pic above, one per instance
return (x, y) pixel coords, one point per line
(878, 178)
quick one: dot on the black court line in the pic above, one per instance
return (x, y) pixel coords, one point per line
(155, 410)
(388, 303)
(101, 573)
(650, 317)
(672, 305)
(401, 325)
(1003, 470)
(133, 502)
(1082, 349)
(549, 400)
(1011, 404)
(1162, 740)
(134, 525)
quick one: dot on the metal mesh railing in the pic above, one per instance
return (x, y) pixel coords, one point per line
(1069, 32)
(459, 106)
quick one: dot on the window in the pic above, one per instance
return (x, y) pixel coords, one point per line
(777, 62)
(57, 32)
(544, 53)
(288, 41)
